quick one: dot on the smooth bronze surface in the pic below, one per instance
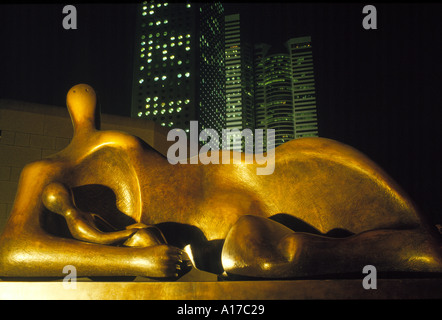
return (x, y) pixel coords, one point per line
(111, 205)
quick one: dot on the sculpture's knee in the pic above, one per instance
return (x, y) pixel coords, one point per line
(250, 224)
(291, 246)
(252, 246)
(262, 228)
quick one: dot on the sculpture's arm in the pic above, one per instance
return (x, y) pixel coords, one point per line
(26, 250)
(58, 198)
(50, 255)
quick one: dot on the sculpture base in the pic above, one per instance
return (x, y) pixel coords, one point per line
(197, 285)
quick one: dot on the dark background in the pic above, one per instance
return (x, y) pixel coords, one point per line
(377, 90)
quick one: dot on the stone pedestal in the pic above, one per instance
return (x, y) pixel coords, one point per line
(202, 287)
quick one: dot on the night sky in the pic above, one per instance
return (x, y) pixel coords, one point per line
(377, 90)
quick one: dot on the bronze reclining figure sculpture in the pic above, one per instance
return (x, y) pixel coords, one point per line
(283, 225)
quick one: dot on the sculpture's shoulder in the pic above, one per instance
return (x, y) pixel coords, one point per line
(124, 143)
(118, 139)
(84, 146)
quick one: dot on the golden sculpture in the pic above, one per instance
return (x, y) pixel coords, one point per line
(111, 205)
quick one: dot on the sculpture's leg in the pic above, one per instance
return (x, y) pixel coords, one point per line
(260, 247)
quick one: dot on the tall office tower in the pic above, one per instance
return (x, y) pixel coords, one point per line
(304, 91)
(285, 98)
(260, 51)
(278, 95)
(179, 71)
(239, 81)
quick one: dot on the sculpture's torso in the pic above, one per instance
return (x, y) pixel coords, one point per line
(212, 197)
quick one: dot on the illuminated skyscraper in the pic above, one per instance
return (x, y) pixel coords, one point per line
(303, 90)
(239, 80)
(179, 71)
(278, 95)
(285, 97)
(260, 51)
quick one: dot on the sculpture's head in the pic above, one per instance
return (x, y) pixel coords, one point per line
(81, 101)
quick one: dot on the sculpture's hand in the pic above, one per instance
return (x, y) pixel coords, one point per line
(158, 259)
(145, 236)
